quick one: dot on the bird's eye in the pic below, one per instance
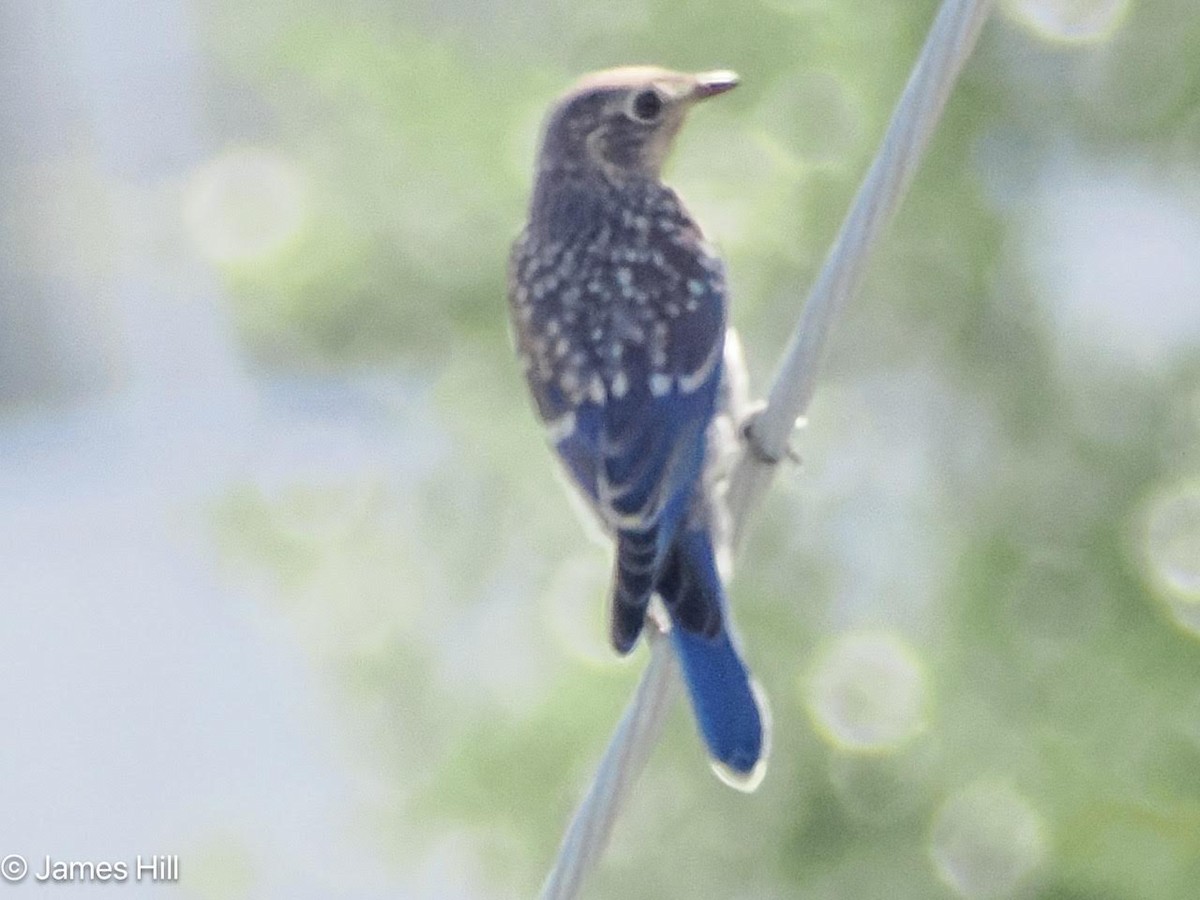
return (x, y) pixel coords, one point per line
(646, 106)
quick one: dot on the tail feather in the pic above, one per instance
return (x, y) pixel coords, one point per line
(724, 702)
(724, 698)
(691, 592)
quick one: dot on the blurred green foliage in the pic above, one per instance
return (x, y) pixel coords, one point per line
(967, 485)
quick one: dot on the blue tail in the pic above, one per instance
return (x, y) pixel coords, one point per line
(726, 708)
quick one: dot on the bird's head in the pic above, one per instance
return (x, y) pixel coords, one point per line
(621, 122)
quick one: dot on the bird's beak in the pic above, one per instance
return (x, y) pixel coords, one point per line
(709, 84)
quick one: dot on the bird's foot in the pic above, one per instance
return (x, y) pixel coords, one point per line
(755, 444)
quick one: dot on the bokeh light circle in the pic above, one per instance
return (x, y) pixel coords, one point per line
(1070, 21)
(1169, 546)
(986, 840)
(868, 693)
(244, 205)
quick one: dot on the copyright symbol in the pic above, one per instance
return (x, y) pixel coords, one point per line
(13, 867)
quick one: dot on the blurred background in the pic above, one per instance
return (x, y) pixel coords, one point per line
(288, 584)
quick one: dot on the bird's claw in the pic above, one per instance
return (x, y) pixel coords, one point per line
(755, 445)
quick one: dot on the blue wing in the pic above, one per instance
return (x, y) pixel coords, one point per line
(638, 459)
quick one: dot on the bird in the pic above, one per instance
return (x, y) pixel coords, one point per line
(618, 312)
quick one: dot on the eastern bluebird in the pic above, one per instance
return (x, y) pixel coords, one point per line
(618, 308)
